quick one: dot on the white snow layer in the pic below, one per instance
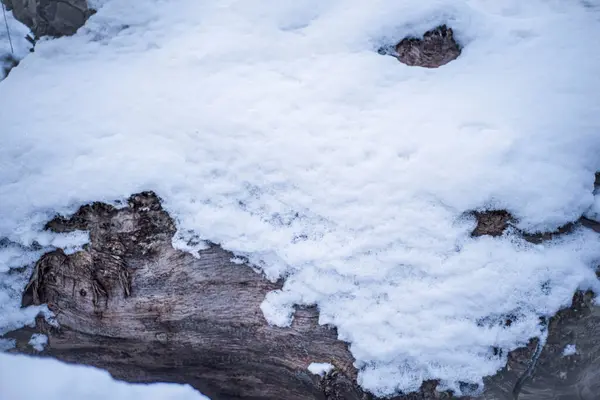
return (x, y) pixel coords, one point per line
(16, 32)
(29, 378)
(594, 211)
(275, 129)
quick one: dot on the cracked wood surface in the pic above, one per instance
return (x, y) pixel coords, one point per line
(132, 304)
(146, 312)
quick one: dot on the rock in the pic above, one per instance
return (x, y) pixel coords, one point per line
(436, 48)
(50, 17)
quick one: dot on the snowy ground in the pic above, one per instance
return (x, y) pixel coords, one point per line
(275, 129)
(17, 32)
(27, 378)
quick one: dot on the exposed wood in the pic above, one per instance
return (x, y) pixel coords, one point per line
(132, 304)
(492, 223)
(437, 47)
(555, 376)
(496, 222)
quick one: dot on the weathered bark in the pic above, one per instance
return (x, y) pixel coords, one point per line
(537, 371)
(492, 223)
(553, 376)
(132, 304)
(437, 47)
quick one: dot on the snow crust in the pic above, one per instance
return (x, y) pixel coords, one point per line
(276, 130)
(29, 378)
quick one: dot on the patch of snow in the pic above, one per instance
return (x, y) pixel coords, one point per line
(38, 341)
(7, 344)
(320, 368)
(594, 211)
(569, 350)
(96, 4)
(276, 130)
(23, 254)
(55, 380)
(14, 255)
(238, 260)
(12, 316)
(189, 242)
(20, 46)
(562, 375)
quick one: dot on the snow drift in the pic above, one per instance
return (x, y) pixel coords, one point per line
(275, 129)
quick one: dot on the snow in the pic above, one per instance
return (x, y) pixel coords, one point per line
(20, 46)
(28, 378)
(276, 130)
(569, 350)
(320, 368)
(190, 243)
(38, 341)
(594, 211)
(23, 254)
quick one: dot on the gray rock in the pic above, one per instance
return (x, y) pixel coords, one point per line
(50, 17)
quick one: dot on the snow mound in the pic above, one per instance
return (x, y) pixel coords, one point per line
(276, 130)
(13, 44)
(29, 378)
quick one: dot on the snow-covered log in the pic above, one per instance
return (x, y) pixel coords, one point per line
(146, 312)
(132, 304)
